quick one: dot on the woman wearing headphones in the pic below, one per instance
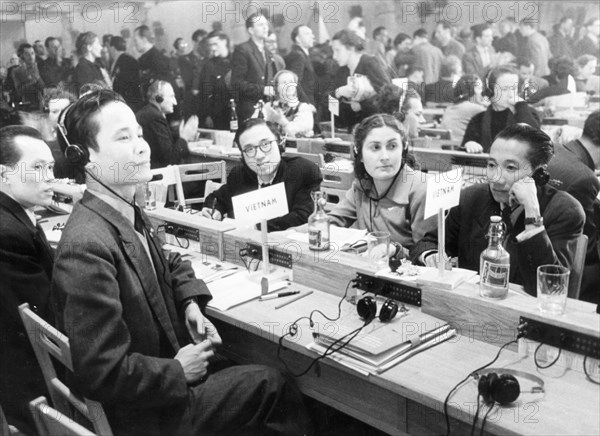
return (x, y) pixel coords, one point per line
(506, 109)
(261, 145)
(295, 117)
(542, 223)
(388, 194)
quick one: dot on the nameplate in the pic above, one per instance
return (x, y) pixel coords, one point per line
(443, 191)
(262, 204)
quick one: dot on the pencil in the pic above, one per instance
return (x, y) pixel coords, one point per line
(291, 300)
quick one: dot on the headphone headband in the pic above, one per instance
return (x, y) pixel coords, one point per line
(515, 373)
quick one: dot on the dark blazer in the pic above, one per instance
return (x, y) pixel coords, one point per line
(472, 63)
(123, 328)
(300, 177)
(249, 76)
(586, 46)
(164, 149)
(484, 126)
(155, 65)
(86, 72)
(26, 262)
(126, 80)
(468, 222)
(299, 62)
(577, 148)
(215, 91)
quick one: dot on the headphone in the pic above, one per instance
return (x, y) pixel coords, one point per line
(74, 153)
(367, 309)
(159, 98)
(499, 385)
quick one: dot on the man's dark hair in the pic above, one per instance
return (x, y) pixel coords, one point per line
(478, 29)
(591, 128)
(218, 34)
(253, 19)
(9, 152)
(349, 39)
(49, 40)
(562, 67)
(83, 40)
(22, 48)
(296, 31)
(420, 33)
(79, 121)
(541, 148)
(523, 61)
(400, 38)
(377, 31)
(106, 39)
(118, 43)
(200, 33)
(144, 32)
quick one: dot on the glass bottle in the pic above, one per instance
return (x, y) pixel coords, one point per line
(233, 118)
(261, 105)
(494, 263)
(318, 224)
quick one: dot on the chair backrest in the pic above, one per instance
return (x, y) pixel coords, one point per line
(168, 176)
(577, 267)
(202, 171)
(50, 422)
(436, 133)
(48, 341)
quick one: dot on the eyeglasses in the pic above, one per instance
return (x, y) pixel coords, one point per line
(265, 146)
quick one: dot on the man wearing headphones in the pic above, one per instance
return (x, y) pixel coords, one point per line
(140, 343)
(165, 149)
(262, 145)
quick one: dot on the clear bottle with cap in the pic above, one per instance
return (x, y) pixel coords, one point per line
(318, 224)
(233, 118)
(494, 263)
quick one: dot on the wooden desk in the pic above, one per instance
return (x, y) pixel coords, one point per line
(409, 397)
(432, 160)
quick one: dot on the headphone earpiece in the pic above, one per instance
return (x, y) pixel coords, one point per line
(159, 99)
(74, 153)
(504, 388)
(540, 176)
(367, 309)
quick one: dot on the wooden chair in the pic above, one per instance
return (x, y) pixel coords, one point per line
(577, 267)
(50, 422)
(436, 133)
(202, 171)
(48, 341)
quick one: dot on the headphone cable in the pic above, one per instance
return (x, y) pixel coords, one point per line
(446, 416)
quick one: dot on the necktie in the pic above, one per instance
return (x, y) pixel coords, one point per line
(138, 221)
(506, 217)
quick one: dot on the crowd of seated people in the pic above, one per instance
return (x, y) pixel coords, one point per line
(145, 106)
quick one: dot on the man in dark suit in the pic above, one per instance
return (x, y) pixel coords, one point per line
(252, 67)
(153, 64)
(140, 342)
(125, 73)
(481, 57)
(166, 150)
(54, 68)
(26, 262)
(299, 61)
(215, 89)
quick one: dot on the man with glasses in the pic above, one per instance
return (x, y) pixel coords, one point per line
(261, 145)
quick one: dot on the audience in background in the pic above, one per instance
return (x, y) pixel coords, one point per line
(442, 91)
(87, 70)
(589, 43)
(561, 79)
(427, 56)
(55, 68)
(298, 61)
(445, 41)
(481, 57)
(216, 89)
(538, 49)
(26, 81)
(125, 73)
(401, 56)
(529, 83)
(561, 41)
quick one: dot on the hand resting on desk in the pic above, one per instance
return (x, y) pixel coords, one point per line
(207, 212)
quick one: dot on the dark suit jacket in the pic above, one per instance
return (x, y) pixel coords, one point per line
(26, 262)
(86, 72)
(126, 80)
(472, 63)
(164, 149)
(153, 64)
(249, 76)
(123, 328)
(579, 181)
(468, 222)
(301, 178)
(299, 62)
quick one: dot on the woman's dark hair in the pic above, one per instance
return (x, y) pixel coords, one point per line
(349, 39)
(465, 88)
(78, 121)
(362, 130)
(83, 40)
(541, 148)
(9, 154)
(400, 38)
(493, 76)
(387, 100)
